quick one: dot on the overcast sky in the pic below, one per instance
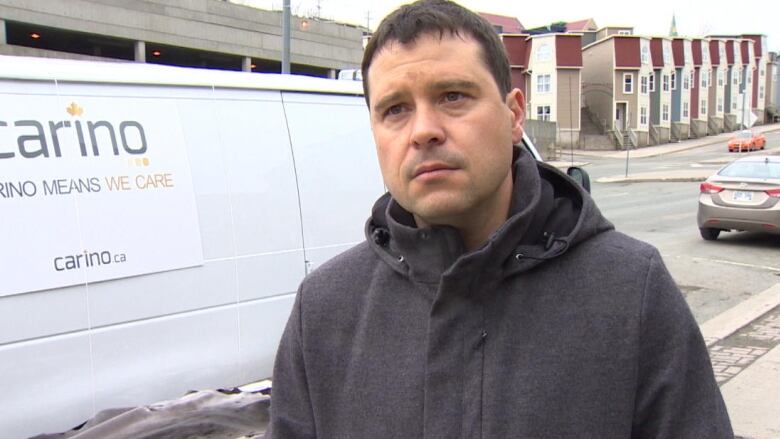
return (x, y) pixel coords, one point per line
(694, 18)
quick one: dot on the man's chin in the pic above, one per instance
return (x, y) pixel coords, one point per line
(437, 214)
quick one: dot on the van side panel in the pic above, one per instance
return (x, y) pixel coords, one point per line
(282, 181)
(338, 173)
(47, 384)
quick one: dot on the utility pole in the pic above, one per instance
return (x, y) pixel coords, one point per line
(286, 37)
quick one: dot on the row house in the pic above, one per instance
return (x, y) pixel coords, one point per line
(746, 89)
(700, 86)
(733, 74)
(760, 76)
(717, 90)
(661, 90)
(682, 82)
(616, 77)
(517, 47)
(774, 86)
(550, 80)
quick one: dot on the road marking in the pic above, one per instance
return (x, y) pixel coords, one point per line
(739, 264)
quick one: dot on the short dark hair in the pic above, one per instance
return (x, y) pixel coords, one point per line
(408, 22)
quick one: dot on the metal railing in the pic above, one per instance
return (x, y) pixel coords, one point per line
(633, 138)
(617, 137)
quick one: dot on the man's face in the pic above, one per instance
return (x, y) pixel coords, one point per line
(443, 132)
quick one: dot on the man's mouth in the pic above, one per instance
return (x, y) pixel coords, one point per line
(431, 169)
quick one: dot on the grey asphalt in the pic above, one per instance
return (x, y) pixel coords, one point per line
(744, 341)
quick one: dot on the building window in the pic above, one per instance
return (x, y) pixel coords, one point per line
(643, 85)
(705, 79)
(645, 54)
(624, 32)
(761, 91)
(686, 81)
(643, 115)
(674, 80)
(543, 112)
(705, 53)
(667, 55)
(703, 107)
(685, 109)
(628, 83)
(735, 78)
(543, 53)
(665, 113)
(543, 83)
(761, 72)
(651, 78)
(733, 106)
(720, 104)
(720, 78)
(665, 82)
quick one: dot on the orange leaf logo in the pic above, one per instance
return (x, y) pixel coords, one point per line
(74, 109)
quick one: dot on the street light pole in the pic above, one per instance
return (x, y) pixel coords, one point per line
(286, 37)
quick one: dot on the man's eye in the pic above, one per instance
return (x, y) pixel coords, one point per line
(394, 110)
(452, 96)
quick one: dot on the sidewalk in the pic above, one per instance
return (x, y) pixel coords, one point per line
(744, 346)
(692, 174)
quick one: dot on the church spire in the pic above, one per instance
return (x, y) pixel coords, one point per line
(673, 29)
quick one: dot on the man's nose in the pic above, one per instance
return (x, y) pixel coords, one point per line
(427, 129)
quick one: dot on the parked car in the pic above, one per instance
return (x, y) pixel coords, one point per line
(743, 195)
(747, 140)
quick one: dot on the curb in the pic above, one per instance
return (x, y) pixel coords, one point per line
(732, 320)
(650, 179)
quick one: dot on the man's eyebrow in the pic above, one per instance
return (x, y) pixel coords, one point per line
(453, 84)
(386, 100)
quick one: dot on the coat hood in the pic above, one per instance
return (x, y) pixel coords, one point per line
(549, 215)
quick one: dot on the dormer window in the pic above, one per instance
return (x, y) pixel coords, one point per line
(543, 53)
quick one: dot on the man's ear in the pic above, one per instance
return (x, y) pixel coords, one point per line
(516, 103)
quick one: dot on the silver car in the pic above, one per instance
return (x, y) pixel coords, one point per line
(743, 195)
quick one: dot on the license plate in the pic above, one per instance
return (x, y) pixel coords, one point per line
(743, 196)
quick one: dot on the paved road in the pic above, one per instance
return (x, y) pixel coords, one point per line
(714, 276)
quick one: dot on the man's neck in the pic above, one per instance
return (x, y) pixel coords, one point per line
(480, 224)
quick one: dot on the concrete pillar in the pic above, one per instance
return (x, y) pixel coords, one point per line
(246, 64)
(2, 31)
(140, 51)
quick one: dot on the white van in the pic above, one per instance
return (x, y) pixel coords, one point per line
(155, 223)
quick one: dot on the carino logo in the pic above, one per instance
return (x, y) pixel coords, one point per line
(42, 139)
(88, 259)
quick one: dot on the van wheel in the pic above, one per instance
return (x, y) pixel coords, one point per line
(709, 234)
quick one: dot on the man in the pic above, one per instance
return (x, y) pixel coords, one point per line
(491, 299)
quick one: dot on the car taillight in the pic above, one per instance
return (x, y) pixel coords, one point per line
(709, 188)
(773, 193)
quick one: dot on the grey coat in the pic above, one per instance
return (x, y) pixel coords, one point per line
(558, 327)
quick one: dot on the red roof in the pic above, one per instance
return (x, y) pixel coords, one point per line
(696, 51)
(715, 52)
(581, 25)
(509, 25)
(657, 51)
(627, 53)
(516, 47)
